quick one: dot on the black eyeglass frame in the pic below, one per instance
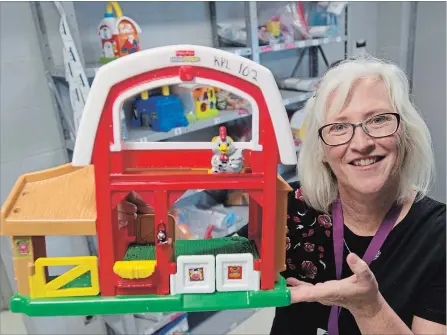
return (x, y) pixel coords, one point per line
(355, 125)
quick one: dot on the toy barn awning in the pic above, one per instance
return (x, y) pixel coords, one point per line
(131, 66)
(59, 201)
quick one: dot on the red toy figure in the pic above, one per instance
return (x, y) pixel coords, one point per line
(223, 138)
(161, 235)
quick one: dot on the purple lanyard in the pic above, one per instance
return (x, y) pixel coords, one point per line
(373, 248)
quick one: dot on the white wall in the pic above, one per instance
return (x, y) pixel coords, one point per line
(30, 136)
(392, 29)
(429, 90)
(362, 24)
(429, 68)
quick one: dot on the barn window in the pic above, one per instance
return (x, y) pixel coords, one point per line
(170, 114)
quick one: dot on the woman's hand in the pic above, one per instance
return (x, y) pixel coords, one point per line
(358, 293)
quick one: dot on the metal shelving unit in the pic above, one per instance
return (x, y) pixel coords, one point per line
(301, 44)
(252, 50)
(293, 97)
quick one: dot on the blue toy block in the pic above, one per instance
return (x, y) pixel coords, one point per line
(165, 112)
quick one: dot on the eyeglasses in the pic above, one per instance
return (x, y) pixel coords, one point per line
(377, 126)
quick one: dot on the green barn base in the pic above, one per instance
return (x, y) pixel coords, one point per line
(278, 297)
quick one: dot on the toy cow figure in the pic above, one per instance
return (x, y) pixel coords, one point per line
(227, 158)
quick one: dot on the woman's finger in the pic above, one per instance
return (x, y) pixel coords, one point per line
(295, 282)
(359, 267)
(302, 293)
(328, 291)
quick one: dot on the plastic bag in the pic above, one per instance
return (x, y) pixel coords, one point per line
(194, 222)
(293, 20)
(231, 34)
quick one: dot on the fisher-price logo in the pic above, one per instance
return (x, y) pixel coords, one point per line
(182, 53)
(185, 56)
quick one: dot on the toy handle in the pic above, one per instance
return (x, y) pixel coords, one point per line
(113, 6)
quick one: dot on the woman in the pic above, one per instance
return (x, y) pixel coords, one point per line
(365, 167)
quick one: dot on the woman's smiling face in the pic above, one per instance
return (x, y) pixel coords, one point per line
(365, 164)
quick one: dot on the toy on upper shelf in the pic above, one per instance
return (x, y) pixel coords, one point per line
(296, 123)
(140, 112)
(132, 272)
(274, 26)
(166, 112)
(119, 34)
(229, 101)
(279, 32)
(199, 102)
(205, 101)
(227, 158)
(161, 112)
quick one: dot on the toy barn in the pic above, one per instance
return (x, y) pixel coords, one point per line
(140, 266)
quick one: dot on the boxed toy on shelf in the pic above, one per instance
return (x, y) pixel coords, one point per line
(324, 20)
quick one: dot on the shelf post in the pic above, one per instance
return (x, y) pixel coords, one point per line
(251, 24)
(409, 64)
(313, 62)
(213, 21)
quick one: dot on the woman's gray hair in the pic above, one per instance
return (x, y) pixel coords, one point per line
(415, 147)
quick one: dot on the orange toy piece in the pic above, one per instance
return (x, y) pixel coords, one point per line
(140, 266)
